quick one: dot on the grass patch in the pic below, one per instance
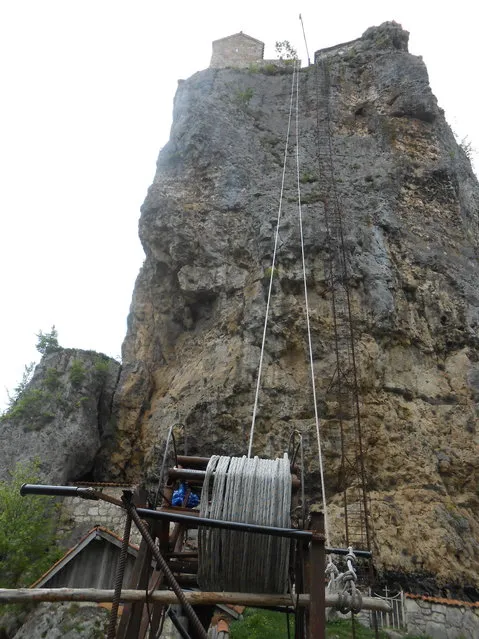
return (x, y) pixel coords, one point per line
(341, 629)
(307, 178)
(266, 624)
(271, 271)
(258, 623)
(242, 98)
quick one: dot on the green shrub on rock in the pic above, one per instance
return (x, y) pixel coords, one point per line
(77, 372)
(47, 342)
(32, 409)
(27, 530)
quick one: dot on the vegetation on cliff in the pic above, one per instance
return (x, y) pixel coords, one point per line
(27, 530)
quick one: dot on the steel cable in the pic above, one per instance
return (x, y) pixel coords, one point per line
(250, 490)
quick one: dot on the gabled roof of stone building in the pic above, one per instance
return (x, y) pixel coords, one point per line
(239, 34)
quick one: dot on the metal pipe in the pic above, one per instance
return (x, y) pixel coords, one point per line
(60, 491)
(176, 622)
(146, 513)
(364, 554)
(198, 476)
(200, 463)
(193, 462)
(291, 533)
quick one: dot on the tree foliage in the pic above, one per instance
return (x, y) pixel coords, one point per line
(466, 146)
(27, 530)
(77, 372)
(285, 50)
(47, 342)
(22, 385)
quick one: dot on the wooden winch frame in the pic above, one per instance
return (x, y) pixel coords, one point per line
(164, 564)
(171, 533)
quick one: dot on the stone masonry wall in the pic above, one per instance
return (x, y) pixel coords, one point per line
(78, 516)
(346, 49)
(426, 616)
(237, 51)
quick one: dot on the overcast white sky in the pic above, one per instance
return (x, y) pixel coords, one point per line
(86, 99)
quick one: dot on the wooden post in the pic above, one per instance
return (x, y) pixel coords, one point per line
(160, 529)
(317, 565)
(301, 614)
(131, 618)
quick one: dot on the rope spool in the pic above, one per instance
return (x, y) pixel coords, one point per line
(253, 491)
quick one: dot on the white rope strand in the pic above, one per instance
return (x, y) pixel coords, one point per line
(313, 383)
(260, 368)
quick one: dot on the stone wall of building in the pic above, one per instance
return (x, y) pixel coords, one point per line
(437, 619)
(78, 516)
(345, 49)
(238, 50)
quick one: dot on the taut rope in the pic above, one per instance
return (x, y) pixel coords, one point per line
(273, 262)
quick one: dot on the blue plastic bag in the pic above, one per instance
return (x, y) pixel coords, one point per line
(179, 497)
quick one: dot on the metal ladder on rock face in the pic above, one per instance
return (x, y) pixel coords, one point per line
(343, 389)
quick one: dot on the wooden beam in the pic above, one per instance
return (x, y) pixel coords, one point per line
(317, 557)
(193, 462)
(186, 461)
(161, 531)
(197, 598)
(185, 567)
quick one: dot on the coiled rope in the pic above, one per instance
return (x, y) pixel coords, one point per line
(254, 491)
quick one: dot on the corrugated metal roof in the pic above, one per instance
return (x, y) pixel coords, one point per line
(94, 533)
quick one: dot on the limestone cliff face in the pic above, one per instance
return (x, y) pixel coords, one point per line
(62, 417)
(410, 206)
